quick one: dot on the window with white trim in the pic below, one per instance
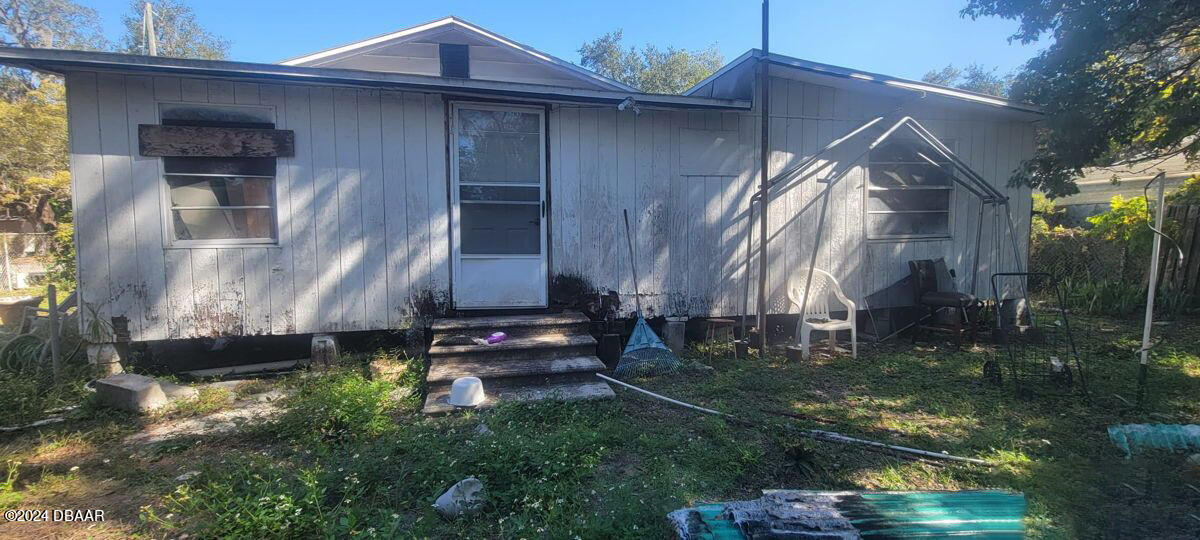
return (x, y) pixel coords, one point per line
(219, 200)
(910, 191)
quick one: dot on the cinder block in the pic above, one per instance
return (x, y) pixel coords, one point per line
(130, 392)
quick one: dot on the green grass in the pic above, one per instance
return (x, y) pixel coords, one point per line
(364, 467)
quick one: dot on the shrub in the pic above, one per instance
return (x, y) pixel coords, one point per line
(62, 255)
(337, 407)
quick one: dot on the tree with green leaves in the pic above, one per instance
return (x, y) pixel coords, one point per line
(1120, 83)
(973, 78)
(58, 24)
(650, 69)
(178, 33)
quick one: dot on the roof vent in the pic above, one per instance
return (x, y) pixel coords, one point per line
(456, 60)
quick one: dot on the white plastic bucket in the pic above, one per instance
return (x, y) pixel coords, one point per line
(466, 392)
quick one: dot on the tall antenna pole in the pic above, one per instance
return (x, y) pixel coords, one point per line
(148, 28)
(763, 84)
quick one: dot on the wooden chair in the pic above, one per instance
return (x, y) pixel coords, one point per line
(815, 314)
(933, 297)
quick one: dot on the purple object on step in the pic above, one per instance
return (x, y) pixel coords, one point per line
(496, 338)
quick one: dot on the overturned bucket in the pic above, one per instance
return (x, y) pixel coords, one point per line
(466, 392)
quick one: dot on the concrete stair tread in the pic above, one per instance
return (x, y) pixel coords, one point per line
(517, 344)
(435, 402)
(443, 371)
(500, 322)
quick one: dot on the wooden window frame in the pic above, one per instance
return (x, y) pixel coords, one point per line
(167, 209)
(892, 238)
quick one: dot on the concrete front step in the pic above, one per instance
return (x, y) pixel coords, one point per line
(435, 401)
(512, 373)
(540, 347)
(571, 322)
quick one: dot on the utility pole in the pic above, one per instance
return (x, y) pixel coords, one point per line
(148, 29)
(763, 199)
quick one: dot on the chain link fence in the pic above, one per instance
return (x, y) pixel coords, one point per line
(24, 260)
(1093, 331)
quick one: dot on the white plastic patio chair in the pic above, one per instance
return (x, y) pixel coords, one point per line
(816, 313)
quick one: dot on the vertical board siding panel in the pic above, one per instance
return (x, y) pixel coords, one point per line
(777, 273)
(374, 259)
(697, 262)
(231, 288)
(607, 215)
(151, 290)
(302, 213)
(628, 159)
(349, 208)
(118, 200)
(713, 208)
(553, 184)
(645, 211)
(177, 273)
(227, 316)
(327, 259)
(589, 186)
(748, 137)
(654, 188)
(833, 241)
(438, 191)
(680, 294)
(87, 189)
(416, 195)
(281, 314)
(258, 297)
(568, 190)
(792, 199)
(395, 187)
(207, 318)
(978, 148)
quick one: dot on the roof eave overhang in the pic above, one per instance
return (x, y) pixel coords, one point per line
(59, 61)
(872, 78)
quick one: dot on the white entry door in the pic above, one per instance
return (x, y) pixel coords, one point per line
(498, 191)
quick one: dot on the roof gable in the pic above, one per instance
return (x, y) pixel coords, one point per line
(415, 51)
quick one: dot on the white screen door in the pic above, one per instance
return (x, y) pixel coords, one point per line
(498, 190)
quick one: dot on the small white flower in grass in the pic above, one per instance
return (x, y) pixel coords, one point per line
(75, 468)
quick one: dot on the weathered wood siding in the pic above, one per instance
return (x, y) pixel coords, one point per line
(361, 211)
(362, 207)
(688, 208)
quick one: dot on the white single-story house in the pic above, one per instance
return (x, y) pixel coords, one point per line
(448, 167)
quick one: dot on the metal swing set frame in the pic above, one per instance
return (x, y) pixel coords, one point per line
(971, 181)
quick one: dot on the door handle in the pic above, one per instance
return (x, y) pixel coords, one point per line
(543, 208)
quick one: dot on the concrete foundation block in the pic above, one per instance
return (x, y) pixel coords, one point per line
(130, 392)
(674, 332)
(324, 351)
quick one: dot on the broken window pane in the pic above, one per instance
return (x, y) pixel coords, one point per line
(220, 224)
(219, 191)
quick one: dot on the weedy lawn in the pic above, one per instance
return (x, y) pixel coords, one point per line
(352, 457)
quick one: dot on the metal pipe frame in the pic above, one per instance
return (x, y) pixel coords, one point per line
(974, 183)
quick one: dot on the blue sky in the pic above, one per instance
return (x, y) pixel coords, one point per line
(899, 38)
